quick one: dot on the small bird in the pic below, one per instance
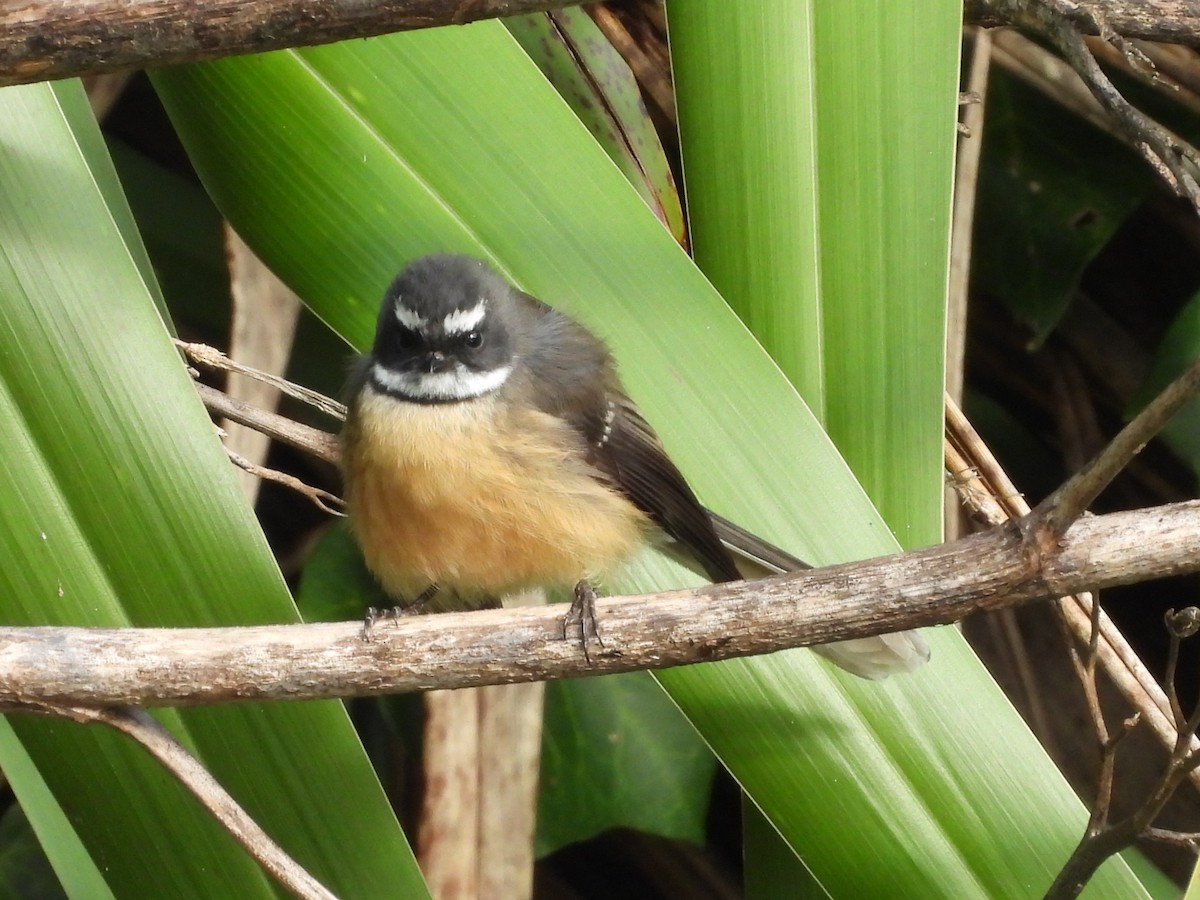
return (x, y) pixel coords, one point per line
(489, 448)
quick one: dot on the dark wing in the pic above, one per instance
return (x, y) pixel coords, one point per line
(754, 551)
(574, 378)
(632, 455)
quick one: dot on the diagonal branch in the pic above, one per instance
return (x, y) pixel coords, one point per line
(141, 727)
(1054, 515)
(986, 490)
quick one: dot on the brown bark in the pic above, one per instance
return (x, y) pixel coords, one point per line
(1168, 21)
(41, 40)
(938, 585)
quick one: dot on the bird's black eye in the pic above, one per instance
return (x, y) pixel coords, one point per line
(408, 339)
(473, 339)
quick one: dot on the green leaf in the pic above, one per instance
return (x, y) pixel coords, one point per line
(746, 99)
(1052, 190)
(887, 110)
(1178, 349)
(597, 84)
(651, 751)
(119, 508)
(26, 866)
(336, 585)
(771, 868)
(340, 163)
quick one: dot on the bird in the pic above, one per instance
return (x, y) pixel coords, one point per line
(490, 448)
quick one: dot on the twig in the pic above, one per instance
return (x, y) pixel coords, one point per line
(936, 585)
(988, 493)
(1156, 20)
(966, 179)
(1054, 515)
(313, 441)
(327, 502)
(212, 358)
(1187, 840)
(159, 743)
(1101, 839)
(1062, 23)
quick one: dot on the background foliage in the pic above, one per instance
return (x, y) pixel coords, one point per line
(817, 149)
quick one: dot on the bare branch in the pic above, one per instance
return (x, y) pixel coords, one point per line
(41, 40)
(1187, 840)
(324, 500)
(314, 441)
(937, 585)
(1101, 840)
(991, 496)
(212, 358)
(1056, 513)
(155, 739)
(1169, 21)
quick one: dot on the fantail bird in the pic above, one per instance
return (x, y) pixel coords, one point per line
(489, 447)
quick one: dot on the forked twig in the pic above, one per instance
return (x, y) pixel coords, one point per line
(986, 490)
(1102, 839)
(1052, 517)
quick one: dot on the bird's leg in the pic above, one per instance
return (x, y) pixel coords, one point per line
(582, 614)
(374, 614)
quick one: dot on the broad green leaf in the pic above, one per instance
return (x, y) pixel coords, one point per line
(597, 84)
(1179, 348)
(772, 869)
(340, 163)
(746, 98)
(54, 840)
(652, 752)
(1052, 190)
(887, 108)
(119, 508)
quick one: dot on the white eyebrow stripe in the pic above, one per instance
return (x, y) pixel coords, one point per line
(410, 319)
(463, 320)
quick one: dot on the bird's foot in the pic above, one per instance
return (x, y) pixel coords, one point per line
(582, 615)
(416, 607)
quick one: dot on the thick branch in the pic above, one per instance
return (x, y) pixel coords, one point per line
(41, 40)
(1168, 21)
(938, 585)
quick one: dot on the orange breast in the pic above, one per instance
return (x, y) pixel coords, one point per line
(477, 499)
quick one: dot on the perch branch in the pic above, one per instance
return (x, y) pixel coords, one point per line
(937, 585)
